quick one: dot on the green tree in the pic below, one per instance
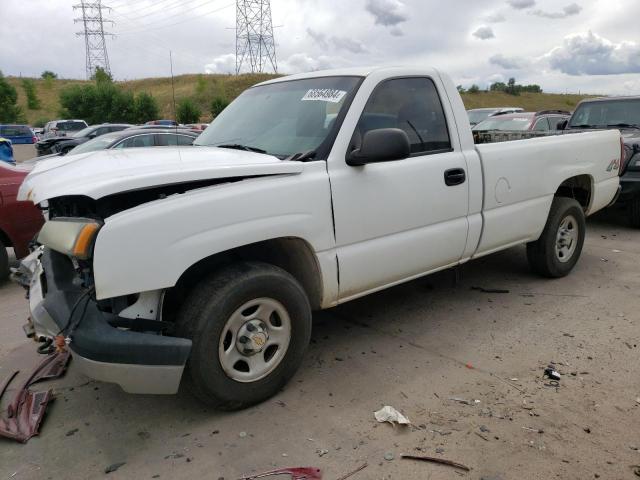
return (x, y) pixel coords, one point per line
(146, 108)
(48, 74)
(218, 104)
(461, 89)
(29, 87)
(188, 111)
(101, 76)
(474, 89)
(10, 112)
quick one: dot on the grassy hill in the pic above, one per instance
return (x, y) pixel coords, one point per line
(203, 88)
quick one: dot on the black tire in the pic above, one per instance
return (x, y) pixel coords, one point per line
(542, 255)
(4, 262)
(634, 212)
(204, 315)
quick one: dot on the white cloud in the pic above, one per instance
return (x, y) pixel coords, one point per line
(591, 54)
(508, 63)
(484, 33)
(389, 13)
(568, 11)
(495, 18)
(521, 4)
(303, 62)
(222, 64)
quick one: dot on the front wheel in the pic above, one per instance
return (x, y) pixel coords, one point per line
(4, 262)
(558, 249)
(250, 324)
(634, 212)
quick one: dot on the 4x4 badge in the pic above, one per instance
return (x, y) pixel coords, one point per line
(614, 165)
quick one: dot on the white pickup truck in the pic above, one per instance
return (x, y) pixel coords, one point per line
(306, 192)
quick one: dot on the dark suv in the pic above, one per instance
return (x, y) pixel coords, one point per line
(65, 144)
(620, 113)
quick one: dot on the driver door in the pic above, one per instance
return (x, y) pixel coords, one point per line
(400, 219)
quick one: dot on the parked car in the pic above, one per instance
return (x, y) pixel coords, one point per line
(477, 115)
(6, 151)
(18, 134)
(128, 138)
(165, 123)
(617, 113)
(213, 257)
(63, 128)
(19, 220)
(197, 126)
(544, 121)
(65, 144)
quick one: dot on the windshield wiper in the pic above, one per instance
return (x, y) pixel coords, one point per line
(584, 125)
(237, 146)
(302, 156)
(624, 125)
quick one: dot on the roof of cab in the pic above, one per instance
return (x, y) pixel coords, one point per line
(353, 72)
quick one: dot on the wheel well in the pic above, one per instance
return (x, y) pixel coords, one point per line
(579, 188)
(4, 238)
(293, 255)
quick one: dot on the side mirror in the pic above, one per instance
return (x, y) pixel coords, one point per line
(563, 124)
(381, 145)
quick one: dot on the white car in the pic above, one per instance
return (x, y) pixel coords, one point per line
(477, 115)
(306, 192)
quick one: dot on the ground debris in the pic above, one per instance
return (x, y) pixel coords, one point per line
(391, 415)
(441, 461)
(490, 290)
(350, 474)
(113, 467)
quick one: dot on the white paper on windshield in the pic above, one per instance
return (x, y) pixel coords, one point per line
(324, 95)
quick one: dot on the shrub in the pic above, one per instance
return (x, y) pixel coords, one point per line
(146, 108)
(188, 111)
(29, 87)
(10, 112)
(105, 101)
(218, 104)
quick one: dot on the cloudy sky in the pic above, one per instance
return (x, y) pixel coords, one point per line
(563, 45)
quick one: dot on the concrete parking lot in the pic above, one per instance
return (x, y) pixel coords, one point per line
(24, 152)
(415, 347)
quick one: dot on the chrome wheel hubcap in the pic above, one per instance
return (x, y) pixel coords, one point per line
(254, 340)
(566, 239)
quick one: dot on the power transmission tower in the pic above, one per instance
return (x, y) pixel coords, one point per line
(255, 44)
(93, 22)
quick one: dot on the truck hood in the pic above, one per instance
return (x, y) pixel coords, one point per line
(98, 174)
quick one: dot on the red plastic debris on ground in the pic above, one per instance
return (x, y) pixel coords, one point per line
(26, 410)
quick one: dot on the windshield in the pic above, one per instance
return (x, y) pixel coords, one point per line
(476, 116)
(603, 113)
(282, 118)
(70, 126)
(84, 132)
(98, 143)
(500, 123)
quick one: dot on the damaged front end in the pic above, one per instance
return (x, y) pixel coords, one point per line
(118, 340)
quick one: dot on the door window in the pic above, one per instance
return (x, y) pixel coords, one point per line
(542, 125)
(137, 141)
(412, 105)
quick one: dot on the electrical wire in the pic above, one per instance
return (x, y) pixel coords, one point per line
(86, 293)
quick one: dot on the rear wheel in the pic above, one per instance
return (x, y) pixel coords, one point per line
(250, 325)
(4, 262)
(634, 212)
(558, 249)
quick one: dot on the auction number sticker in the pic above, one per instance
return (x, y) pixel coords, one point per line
(324, 95)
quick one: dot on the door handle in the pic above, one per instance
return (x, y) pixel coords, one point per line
(454, 176)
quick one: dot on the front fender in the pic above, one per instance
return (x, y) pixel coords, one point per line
(150, 246)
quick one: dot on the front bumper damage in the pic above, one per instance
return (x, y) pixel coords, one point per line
(138, 361)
